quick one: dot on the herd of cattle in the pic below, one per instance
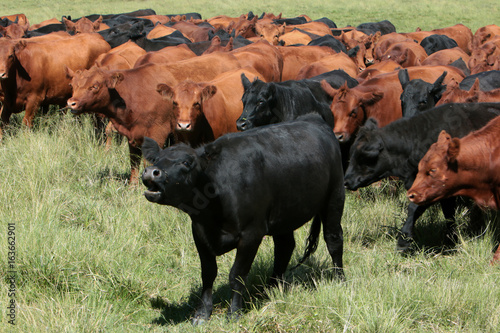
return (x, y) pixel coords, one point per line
(273, 117)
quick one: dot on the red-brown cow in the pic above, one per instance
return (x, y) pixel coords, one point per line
(166, 55)
(263, 57)
(446, 57)
(485, 57)
(129, 98)
(407, 54)
(14, 30)
(329, 63)
(32, 74)
(483, 35)
(207, 110)
(295, 57)
(453, 94)
(378, 97)
(84, 25)
(469, 167)
(121, 57)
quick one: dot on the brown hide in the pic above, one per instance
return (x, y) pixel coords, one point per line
(295, 57)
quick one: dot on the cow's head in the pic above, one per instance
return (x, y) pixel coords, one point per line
(171, 179)
(419, 95)
(348, 108)
(368, 162)
(82, 25)
(8, 55)
(453, 93)
(187, 99)
(91, 89)
(258, 103)
(435, 171)
(270, 31)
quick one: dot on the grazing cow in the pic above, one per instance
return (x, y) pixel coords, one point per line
(32, 73)
(269, 103)
(207, 110)
(419, 95)
(396, 149)
(243, 186)
(469, 167)
(378, 97)
(434, 43)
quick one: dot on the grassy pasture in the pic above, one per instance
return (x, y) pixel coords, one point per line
(92, 255)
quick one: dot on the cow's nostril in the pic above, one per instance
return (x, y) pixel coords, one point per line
(156, 172)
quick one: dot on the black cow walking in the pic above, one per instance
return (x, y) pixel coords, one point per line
(397, 148)
(243, 186)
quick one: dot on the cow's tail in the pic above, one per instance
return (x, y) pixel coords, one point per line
(312, 240)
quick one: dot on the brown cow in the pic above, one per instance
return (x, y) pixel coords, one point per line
(18, 18)
(407, 54)
(384, 42)
(32, 73)
(269, 31)
(295, 57)
(446, 57)
(263, 57)
(329, 63)
(207, 110)
(216, 45)
(123, 56)
(14, 30)
(469, 167)
(459, 33)
(196, 33)
(161, 30)
(129, 99)
(378, 97)
(483, 35)
(453, 94)
(166, 55)
(485, 57)
(84, 25)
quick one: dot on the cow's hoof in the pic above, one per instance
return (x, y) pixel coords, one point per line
(404, 243)
(199, 320)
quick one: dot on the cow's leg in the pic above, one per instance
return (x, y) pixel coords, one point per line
(333, 233)
(283, 249)
(135, 161)
(5, 118)
(32, 105)
(405, 236)
(245, 254)
(208, 274)
(448, 206)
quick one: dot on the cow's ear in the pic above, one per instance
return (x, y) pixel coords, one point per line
(97, 23)
(371, 124)
(165, 91)
(69, 72)
(328, 88)
(150, 150)
(404, 77)
(372, 97)
(19, 46)
(208, 92)
(245, 81)
(70, 25)
(453, 150)
(114, 80)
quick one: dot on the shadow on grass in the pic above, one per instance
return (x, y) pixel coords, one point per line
(257, 294)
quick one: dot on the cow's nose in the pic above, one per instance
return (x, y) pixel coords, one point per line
(411, 196)
(185, 126)
(151, 173)
(3, 75)
(241, 125)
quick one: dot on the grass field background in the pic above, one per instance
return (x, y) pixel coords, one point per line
(93, 255)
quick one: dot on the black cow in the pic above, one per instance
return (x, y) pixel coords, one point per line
(175, 38)
(269, 103)
(419, 95)
(243, 186)
(434, 43)
(330, 41)
(122, 33)
(488, 80)
(370, 28)
(396, 149)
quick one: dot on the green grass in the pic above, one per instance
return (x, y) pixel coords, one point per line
(94, 256)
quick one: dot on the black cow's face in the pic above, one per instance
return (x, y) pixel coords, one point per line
(257, 105)
(416, 97)
(367, 163)
(171, 179)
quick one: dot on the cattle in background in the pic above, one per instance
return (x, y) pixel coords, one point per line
(454, 94)
(419, 95)
(484, 34)
(485, 57)
(488, 80)
(263, 57)
(267, 181)
(469, 167)
(33, 72)
(273, 102)
(166, 55)
(378, 97)
(121, 57)
(206, 110)
(295, 57)
(407, 54)
(385, 27)
(339, 61)
(84, 25)
(396, 149)
(383, 43)
(446, 57)
(459, 33)
(434, 43)
(14, 30)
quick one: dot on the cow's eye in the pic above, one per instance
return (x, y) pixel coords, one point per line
(431, 172)
(175, 104)
(186, 164)
(197, 105)
(353, 113)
